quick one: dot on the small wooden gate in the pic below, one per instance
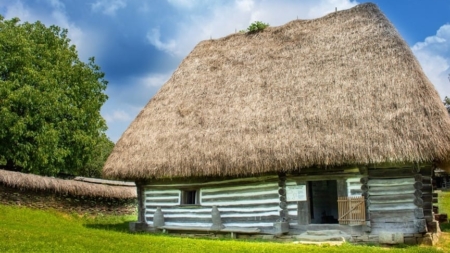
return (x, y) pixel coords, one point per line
(352, 210)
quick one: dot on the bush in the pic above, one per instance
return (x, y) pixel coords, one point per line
(257, 26)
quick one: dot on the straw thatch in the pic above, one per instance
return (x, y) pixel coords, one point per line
(64, 187)
(341, 89)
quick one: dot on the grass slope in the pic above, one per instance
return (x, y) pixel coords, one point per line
(29, 230)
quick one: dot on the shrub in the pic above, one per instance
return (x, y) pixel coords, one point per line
(257, 26)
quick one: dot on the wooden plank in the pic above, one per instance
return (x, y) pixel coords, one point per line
(304, 215)
(341, 188)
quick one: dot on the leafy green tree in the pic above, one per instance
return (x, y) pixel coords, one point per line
(49, 101)
(103, 149)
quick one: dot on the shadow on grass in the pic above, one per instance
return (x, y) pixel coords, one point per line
(445, 227)
(118, 227)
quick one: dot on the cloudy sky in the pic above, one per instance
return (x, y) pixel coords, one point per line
(139, 43)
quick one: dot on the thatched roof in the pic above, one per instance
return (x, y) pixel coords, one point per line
(61, 186)
(341, 89)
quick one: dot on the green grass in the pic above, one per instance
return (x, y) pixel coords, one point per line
(29, 230)
(444, 207)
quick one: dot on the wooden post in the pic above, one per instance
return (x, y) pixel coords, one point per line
(304, 215)
(141, 204)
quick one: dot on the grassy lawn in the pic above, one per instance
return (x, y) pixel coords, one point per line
(444, 207)
(29, 230)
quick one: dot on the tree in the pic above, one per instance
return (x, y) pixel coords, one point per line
(49, 100)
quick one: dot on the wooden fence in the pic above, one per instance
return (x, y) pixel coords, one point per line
(352, 210)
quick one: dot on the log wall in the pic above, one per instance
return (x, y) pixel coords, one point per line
(243, 205)
(394, 200)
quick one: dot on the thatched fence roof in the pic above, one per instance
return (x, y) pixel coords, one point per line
(72, 187)
(341, 89)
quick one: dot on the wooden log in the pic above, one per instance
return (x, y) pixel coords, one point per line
(426, 171)
(429, 218)
(391, 198)
(394, 190)
(418, 186)
(433, 226)
(427, 205)
(418, 193)
(418, 177)
(427, 198)
(283, 205)
(418, 213)
(282, 191)
(427, 180)
(434, 201)
(394, 206)
(421, 225)
(428, 212)
(435, 194)
(364, 180)
(401, 227)
(418, 202)
(392, 216)
(427, 187)
(390, 173)
(363, 170)
(391, 182)
(364, 188)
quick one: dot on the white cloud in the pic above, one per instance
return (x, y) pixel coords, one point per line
(185, 4)
(217, 22)
(154, 37)
(117, 115)
(154, 80)
(17, 9)
(434, 56)
(108, 7)
(84, 40)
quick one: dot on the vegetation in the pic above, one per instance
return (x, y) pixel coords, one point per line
(257, 26)
(447, 103)
(444, 207)
(28, 230)
(49, 102)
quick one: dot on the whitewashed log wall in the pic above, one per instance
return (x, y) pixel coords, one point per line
(354, 187)
(245, 205)
(394, 205)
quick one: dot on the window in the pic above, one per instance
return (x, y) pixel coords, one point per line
(189, 197)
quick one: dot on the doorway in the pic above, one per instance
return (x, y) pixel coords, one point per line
(323, 201)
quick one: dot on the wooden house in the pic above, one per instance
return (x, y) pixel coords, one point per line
(316, 125)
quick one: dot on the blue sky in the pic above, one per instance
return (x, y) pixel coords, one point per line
(138, 43)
